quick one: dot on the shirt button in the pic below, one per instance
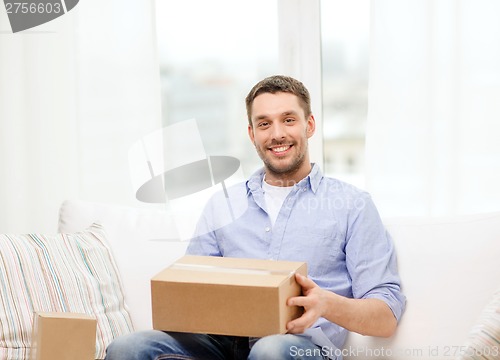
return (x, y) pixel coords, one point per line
(267, 229)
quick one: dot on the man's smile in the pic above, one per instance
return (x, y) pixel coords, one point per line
(280, 150)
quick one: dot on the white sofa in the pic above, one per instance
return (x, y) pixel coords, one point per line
(449, 268)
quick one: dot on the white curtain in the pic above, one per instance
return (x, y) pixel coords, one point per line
(75, 94)
(434, 107)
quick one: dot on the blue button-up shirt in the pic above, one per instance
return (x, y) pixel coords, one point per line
(332, 226)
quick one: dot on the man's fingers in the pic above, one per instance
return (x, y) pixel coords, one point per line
(304, 282)
(296, 301)
(309, 301)
(300, 324)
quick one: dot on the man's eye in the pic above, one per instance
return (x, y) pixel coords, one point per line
(263, 124)
(289, 120)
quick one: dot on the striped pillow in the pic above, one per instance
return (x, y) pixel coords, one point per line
(484, 339)
(58, 273)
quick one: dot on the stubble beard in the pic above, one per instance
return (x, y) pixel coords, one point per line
(287, 171)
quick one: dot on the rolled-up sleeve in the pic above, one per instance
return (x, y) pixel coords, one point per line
(371, 258)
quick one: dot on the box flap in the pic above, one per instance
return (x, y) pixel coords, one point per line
(229, 271)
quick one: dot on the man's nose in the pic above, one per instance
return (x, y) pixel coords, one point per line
(278, 131)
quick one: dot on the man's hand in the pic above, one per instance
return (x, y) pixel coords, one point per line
(365, 316)
(313, 301)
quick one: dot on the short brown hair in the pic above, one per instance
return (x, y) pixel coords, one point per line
(279, 83)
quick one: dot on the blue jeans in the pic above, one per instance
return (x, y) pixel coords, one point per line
(158, 345)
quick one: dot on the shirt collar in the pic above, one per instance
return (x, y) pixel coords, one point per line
(254, 183)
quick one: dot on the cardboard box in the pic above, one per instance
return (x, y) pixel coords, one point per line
(226, 296)
(63, 336)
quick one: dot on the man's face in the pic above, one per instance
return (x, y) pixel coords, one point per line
(279, 132)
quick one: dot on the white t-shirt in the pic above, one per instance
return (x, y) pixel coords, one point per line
(274, 197)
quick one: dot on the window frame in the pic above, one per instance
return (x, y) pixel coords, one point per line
(299, 36)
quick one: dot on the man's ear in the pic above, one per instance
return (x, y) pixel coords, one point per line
(251, 134)
(311, 126)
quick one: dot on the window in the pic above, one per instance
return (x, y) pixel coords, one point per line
(211, 53)
(345, 44)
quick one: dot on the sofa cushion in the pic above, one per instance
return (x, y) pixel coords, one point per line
(71, 272)
(142, 240)
(484, 339)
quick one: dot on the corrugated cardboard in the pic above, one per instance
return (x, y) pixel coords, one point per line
(63, 336)
(226, 296)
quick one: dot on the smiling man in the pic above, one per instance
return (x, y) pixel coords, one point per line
(279, 129)
(293, 213)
